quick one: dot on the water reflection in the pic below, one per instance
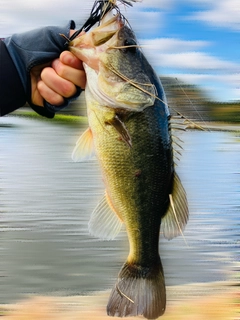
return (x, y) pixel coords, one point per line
(46, 201)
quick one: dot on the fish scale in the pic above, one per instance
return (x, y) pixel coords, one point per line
(130, 132)
(140, 200)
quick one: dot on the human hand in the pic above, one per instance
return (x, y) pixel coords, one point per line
(35, 50)
(58, 80)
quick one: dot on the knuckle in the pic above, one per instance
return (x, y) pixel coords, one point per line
(48, 95)
(82, 79)
(40, 87)
(55, 100)
(61, 70)
(46, 72)
(68, 89)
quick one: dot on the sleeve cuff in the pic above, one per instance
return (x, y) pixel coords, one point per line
(49, 110)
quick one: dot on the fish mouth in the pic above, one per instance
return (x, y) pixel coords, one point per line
(107, 29)
(88, 44)
(98, 49)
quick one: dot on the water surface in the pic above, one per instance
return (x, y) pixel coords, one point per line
(46, 201)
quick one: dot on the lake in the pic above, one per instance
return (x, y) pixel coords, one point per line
(46, 201)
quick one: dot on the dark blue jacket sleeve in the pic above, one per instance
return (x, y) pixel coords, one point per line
(25, 51)
(12, 94)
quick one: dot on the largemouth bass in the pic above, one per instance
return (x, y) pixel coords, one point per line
(130, 133)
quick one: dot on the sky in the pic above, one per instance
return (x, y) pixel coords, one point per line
(196, 41)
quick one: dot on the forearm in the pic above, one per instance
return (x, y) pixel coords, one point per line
(12, 94)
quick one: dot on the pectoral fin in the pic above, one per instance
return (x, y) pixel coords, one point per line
(104, 222)
(121, 129)
(175, 220)
(84, 149)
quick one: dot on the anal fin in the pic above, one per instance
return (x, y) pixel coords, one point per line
(104, 222)
(176, 218)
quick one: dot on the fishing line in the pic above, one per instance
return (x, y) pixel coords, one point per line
(189, 100)
(136, 84)
(99, 10)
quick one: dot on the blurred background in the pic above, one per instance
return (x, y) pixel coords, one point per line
(196, 41)
(46, 199)
(192, 44)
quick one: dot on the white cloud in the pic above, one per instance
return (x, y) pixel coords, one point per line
(221, 13)
(157, 4)
(171, 45)
(231, 79)
(143, 23)
(168, 54)
(182, 59)
(21, 15)
(153, 4)
(220, 87)
(180, 54)
(196, 61)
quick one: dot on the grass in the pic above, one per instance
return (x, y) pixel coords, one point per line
(59, 118)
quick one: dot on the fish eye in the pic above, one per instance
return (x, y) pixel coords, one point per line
(131, 44)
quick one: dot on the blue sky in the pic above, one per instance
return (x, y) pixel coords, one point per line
(197, 41)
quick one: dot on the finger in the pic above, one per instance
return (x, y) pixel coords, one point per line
(66, 57)
(49, 95)
(36, 97)
(57, 83)
(35, 74)
(76, 76)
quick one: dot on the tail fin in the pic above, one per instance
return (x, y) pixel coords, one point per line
(139, 291)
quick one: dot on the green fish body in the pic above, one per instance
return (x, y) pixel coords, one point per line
(129, 130)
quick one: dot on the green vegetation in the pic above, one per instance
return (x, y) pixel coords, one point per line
(59, 118)
(187, 99)
(229, 112)
(194, 103)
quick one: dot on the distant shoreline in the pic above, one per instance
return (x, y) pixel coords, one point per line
(70, 119)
